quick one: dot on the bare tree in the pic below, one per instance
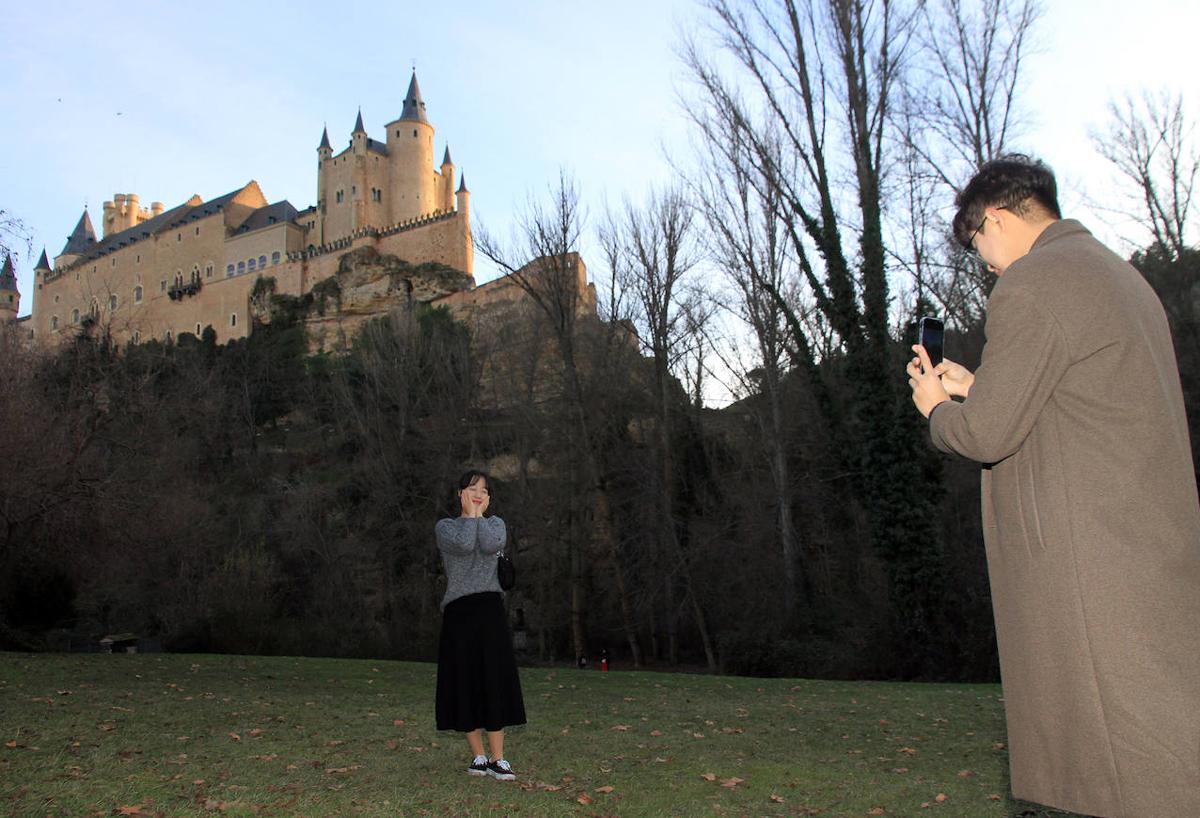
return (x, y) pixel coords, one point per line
(960, 109)
(651, 251)
(1151, 143)
(544, 263)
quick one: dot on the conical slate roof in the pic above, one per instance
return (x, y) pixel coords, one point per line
(414, 106)
(358, 126)
(8, 278)
(83, 237)
(462, 184)
(325, 139)
(43, 262)
(446, 159)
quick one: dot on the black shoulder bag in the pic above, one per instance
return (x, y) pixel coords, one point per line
(506, 572)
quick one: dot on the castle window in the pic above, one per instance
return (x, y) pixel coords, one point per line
(353, 190)
(139, 258)
(114, 261)
(228, 270)
(262, 262)
(162, 286)
(167, 337)
(112, 303)
(197, 231)
(197, 330)
(377, 195)
(137, 337)
(414, 133)
(233, 320)
(340, 196)
(250, 266)
(75, 316)
(275, 257)
(241, 267)
(56, 299)
(208, 271)
(178, 237)
(54, 322)
(137, 294)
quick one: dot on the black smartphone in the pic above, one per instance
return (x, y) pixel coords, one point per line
(930, 335)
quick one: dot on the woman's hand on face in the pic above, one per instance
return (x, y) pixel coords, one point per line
(487, 501)
(468, 507)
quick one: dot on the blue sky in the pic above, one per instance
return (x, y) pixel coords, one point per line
(167, 100)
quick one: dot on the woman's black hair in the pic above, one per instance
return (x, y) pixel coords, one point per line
(471, 477)
(1014, 182)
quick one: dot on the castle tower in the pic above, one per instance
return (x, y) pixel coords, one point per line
(10, 297)
(124, 212)
(357, 194)
(324, 156)
(463, 199)
(40, 273)
(447, 197)
(413, 184)
(82, 239)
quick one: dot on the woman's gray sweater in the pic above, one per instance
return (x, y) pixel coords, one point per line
(469, 546)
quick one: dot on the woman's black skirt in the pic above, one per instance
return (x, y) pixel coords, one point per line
(477, 681)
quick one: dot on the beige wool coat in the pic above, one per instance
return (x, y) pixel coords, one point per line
(1092, 532)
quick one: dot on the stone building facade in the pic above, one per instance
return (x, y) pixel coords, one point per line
(157, 272)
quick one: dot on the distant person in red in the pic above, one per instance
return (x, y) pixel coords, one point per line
(477, 683)
(1090, 514)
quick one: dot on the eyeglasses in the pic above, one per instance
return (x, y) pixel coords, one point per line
(970, 245)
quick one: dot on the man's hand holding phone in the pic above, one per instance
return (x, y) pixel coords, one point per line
(956, 378)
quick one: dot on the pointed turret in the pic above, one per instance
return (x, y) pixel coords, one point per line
(325, 138)
(358, 124)
(8, 277)
(446, 160)
(462, 198)
(10, 297)
(414, 106)
(462, 184)
(82, 238)
(43, 262)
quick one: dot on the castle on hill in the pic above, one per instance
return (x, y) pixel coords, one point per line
(158, 272)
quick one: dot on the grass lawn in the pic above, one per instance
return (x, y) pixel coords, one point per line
(182, 735)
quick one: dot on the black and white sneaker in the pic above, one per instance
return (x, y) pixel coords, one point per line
(501, 771)
(479, 766)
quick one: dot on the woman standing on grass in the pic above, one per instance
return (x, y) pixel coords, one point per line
(477, 684)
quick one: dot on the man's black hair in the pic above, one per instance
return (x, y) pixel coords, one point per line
(1014, 182)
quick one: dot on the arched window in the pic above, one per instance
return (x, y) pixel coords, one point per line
(262, 262)
(137, 294)
(54, 322)
(275, 257)
(137, 337)
(197, 330)
(75, 316)
(250, 265)
(228, 270)
(233, 319)
(241, 267)
(208, 271)
(112, 303)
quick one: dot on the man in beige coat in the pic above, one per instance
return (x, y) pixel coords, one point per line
(1090, 513)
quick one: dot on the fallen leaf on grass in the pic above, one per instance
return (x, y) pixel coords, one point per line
(993, 797)
(12, 745)
(255, 733)
(604, 790)
(584, 798)
(621, 728)
(656, 733)
(341, 770)
(235, 737)
(941, 797)
(965, 773)
(130, 810)
(908, 751)
(900, 770)
(730, 783)
(397, 722)
(337, 742)
(778, 799)
(876, 811)
(709, 776)
(108, 728)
